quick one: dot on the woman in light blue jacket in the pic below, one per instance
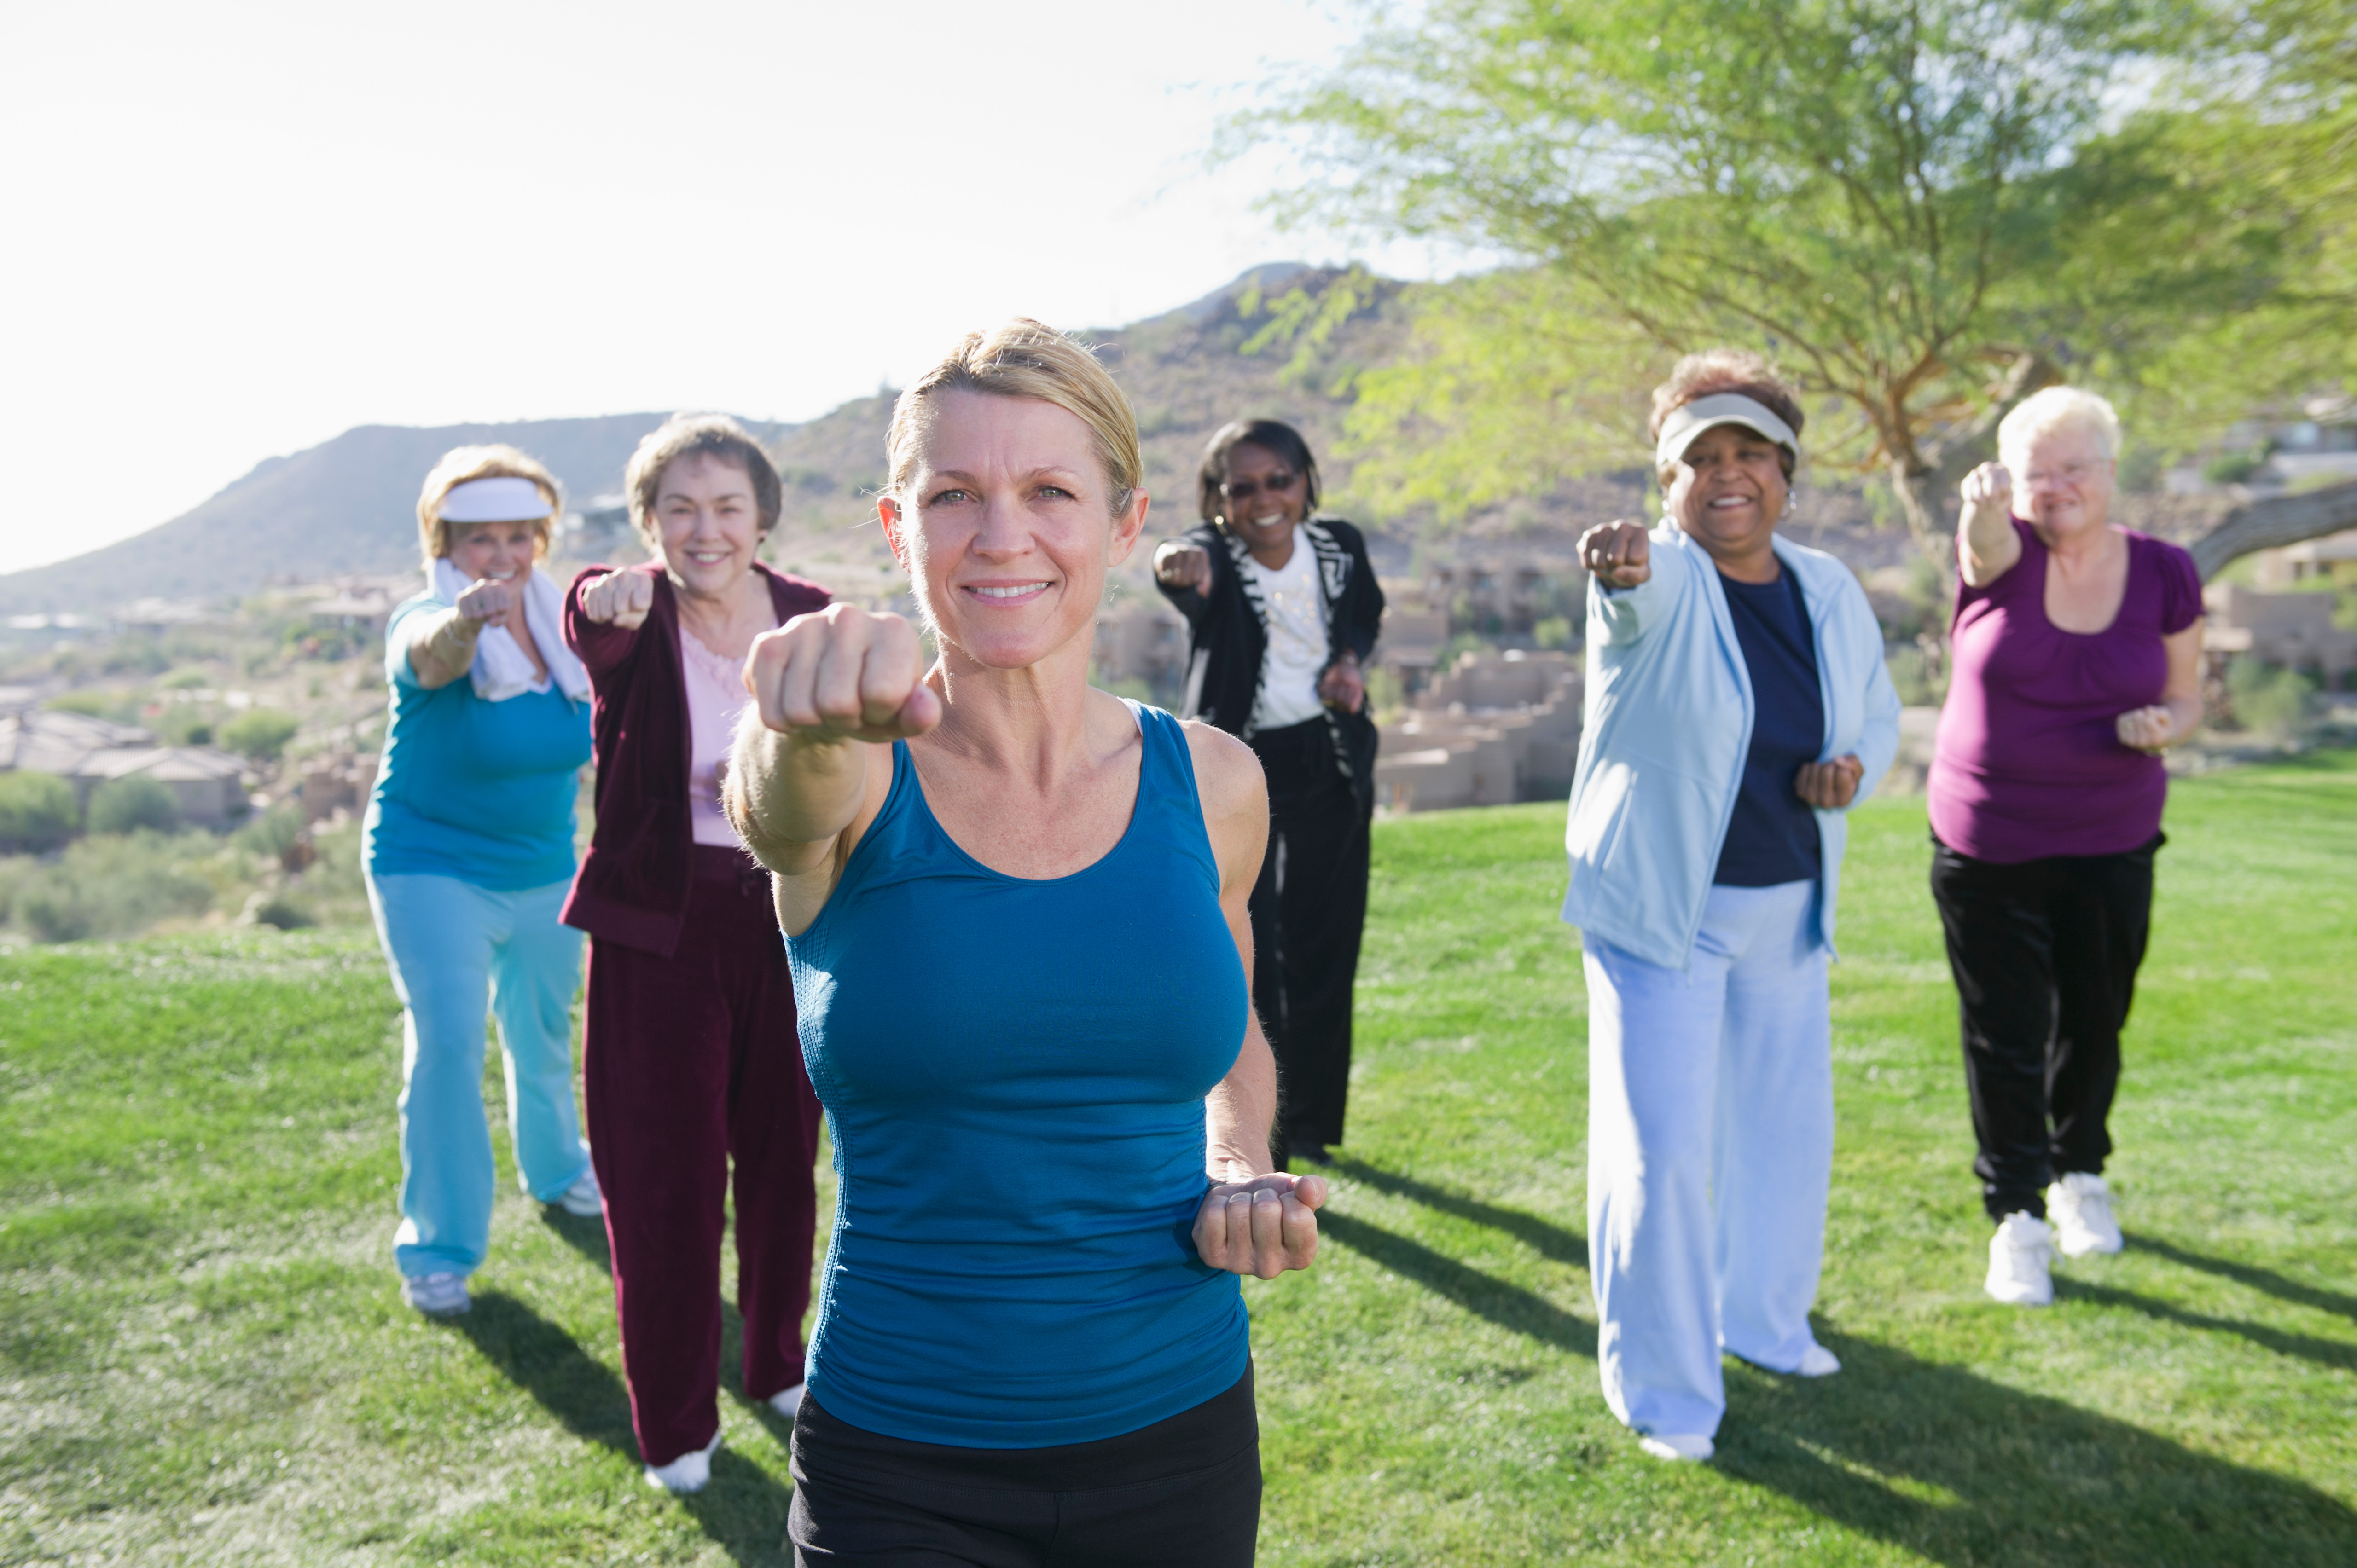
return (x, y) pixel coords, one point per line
(1737, 708)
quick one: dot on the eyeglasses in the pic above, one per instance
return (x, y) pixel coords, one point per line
(1244, 490)
(2068, 474)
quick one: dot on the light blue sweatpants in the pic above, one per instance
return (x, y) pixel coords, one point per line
(458, 952)
(1710, 1143)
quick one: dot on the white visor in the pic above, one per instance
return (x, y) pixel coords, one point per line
(1690, 420)
(501, 498)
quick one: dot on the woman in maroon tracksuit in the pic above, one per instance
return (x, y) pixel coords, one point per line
(690, 1054)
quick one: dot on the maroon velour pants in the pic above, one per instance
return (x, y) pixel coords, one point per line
(689, 1062)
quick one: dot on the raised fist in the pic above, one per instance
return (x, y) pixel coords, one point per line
(2152, 729)
(1618, 553)
(489, 601)
(1987, 493)
(842, 673)
(1179, 565)
(622, 598)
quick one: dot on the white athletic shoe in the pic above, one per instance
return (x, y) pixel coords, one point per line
(2021, 1254)
(786, 1401)
(1817, 1361)
(688, 1472)
(1691, 1446)
(442, 1294)
(2080, 1205)
(583, 1197)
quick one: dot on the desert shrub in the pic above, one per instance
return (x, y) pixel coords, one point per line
(283, 913)
(1555, 632)
(2267, 701)
(38, 810)
(126, 805)
(2235, 467)
(120, 706)
(272, 833)
(1921, 682)
(184, 725)
(260, 733)
(114, 886)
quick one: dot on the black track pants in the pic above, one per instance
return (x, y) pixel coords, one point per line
(2045, 955)
(1307, 911)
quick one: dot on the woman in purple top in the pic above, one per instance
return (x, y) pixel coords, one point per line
(2077, 661)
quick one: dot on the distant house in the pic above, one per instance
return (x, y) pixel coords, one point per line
(2291, 629)
(207, 783)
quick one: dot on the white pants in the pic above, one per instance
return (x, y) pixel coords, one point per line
(1710, 1142)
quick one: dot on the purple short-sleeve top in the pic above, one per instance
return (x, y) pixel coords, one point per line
(2028, 762)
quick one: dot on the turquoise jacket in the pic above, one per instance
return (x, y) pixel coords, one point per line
(1668, 723)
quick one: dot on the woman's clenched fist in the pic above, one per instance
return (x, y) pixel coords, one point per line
(842, 673)
(622, 598)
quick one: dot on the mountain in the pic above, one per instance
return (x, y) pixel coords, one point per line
(346, 505)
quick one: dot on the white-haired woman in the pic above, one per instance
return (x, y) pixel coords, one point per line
(1737, 708)
(1017, 911)
(2077, 661)
(467, 851)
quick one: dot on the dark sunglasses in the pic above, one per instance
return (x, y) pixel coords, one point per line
(1244, 490)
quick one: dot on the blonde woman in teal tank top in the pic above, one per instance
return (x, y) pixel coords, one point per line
(1016, 909)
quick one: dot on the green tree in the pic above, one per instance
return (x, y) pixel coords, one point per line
(134, 801)
(261, 733)
(38, 810)
(1919, 207)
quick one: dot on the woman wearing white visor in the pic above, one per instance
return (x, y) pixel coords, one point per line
(468, 850)
(1737, 707)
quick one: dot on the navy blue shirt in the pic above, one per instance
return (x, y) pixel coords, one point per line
(1772, 837)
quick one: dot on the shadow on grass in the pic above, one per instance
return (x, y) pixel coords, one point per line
(584, 1235)
(743, 1510)
(1541, 1236)
(1509, 1306)
(2306, 1347)
(2261, 1280)
(1963, 1470)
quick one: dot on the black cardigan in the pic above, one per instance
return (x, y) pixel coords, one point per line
(1229, 639)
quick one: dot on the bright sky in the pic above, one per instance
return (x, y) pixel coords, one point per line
(241, 228)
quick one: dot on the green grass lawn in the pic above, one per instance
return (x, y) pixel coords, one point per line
(202, 1358)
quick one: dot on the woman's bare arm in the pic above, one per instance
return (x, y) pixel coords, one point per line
(2179, 712)
(832, 690)
(1255, 1219)
(1987, 545)
(442, 646)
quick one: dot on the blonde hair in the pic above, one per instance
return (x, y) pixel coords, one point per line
(2044, 412)
(712, 436)
(1024, 359)
(461, 464)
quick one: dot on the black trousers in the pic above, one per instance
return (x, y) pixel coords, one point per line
(1309, 911)
(2045, 956)
(1183, 1493)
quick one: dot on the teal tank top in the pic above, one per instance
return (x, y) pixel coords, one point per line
(1013, 1075)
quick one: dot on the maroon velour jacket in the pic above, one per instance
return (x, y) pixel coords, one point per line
(633, 884)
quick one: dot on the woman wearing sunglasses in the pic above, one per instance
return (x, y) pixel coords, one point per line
(1283, 608)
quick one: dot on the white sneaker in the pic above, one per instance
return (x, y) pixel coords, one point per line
(688, 1472)
(1687, 1446)
(2080, 1205)
(2020, 1255)
(583, 1196)
(786, 1401)
(1817, 1361)
(442, 1294)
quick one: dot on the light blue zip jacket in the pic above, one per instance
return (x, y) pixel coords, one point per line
(1668, 725)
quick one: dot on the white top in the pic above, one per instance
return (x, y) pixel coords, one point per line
(716, 697)
(1296, 639)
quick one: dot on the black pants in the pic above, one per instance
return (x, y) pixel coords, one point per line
(1184, 1492)
(1308, 912)
(2045, 955)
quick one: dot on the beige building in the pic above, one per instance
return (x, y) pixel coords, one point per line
(209, 784)
(1495, 728)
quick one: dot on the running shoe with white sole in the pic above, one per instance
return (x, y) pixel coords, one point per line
(2080, 1206)
(582, 1198)
(2021, 1258)
(440, 1294)
(1816, 1361)
(1690, 1446)
(688, 1472)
